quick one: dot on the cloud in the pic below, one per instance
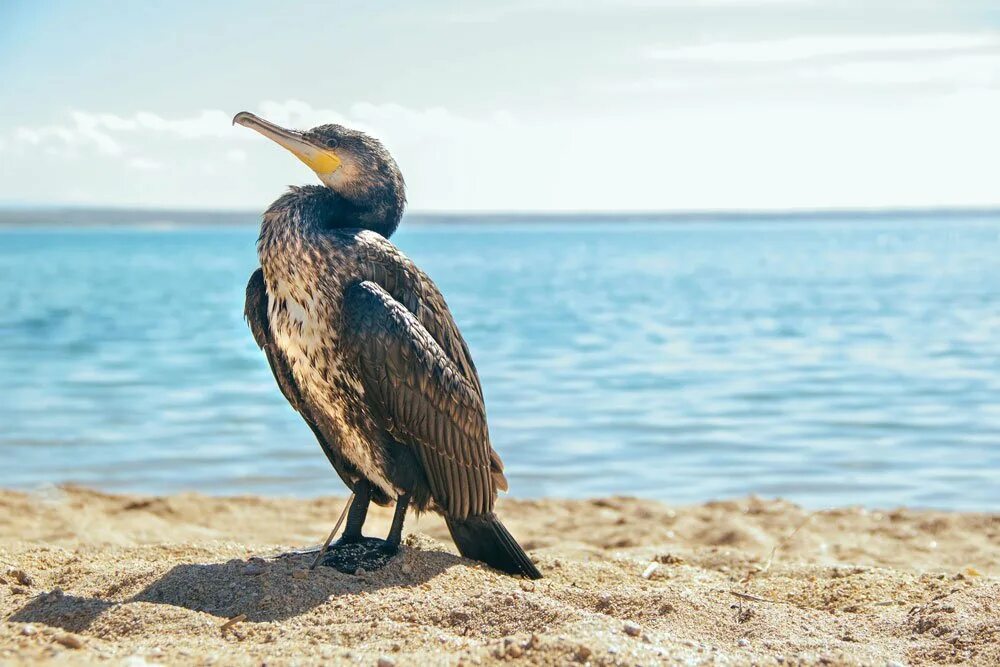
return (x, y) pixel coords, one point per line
(296, 113)
(935, 150)
(107, 134)
(143, 164)
(383, 120)
(967, 71)
(834, 65)
(206, 123)
(115, 135)
(514, 8)
(428, 142)
(81, 132)
(806, 48)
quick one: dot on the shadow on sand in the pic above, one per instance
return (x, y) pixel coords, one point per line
(270, 590)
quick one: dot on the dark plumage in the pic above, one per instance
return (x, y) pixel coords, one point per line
(364, 347)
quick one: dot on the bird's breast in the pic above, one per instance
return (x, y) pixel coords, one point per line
(304, 311)
(304, 321)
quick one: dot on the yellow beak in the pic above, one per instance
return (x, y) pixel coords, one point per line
(321, 160)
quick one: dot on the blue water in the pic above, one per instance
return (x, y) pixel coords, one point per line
(827, 362)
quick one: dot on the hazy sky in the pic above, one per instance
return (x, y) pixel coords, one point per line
(523, 105)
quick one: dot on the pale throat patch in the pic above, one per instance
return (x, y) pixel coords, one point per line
(343, 178)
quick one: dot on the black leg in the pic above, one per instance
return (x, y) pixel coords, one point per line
(396, 532)
(353, 551)
(357, 513)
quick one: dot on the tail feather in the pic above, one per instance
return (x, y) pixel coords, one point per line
(485, 539)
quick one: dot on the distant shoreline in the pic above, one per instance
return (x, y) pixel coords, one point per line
(168, 218)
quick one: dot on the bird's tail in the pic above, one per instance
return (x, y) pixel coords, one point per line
(485, 539)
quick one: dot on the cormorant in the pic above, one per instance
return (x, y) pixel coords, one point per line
(364, 347)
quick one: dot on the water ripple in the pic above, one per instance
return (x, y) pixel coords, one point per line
(830, 363)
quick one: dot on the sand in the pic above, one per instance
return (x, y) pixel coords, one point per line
(88, 577)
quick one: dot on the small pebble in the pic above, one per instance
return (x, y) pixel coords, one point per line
(743, 642)
(21, 577)
(28, 630)
(632, 628)
(514, 651)
(648, 572)
(360, 572)
(253, 569)
(70, 641)
(386, 661)
(583, 653)
(535, 642)
(406, 569)
(527, 586)
(300, 574)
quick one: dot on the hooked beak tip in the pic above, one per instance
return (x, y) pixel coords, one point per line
(241, 117)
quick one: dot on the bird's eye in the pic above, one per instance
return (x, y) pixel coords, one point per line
(332, 143)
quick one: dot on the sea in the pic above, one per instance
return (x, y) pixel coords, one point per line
(829, 360)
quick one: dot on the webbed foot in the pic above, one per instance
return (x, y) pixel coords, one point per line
(353, 554)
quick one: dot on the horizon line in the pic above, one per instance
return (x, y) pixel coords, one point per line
(8, 209)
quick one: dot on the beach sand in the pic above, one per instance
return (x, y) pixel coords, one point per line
(88, 577)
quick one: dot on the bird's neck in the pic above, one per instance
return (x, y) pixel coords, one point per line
(314, 208)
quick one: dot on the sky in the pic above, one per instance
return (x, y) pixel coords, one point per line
(527, 105)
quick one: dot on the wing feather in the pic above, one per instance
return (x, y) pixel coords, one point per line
(429, 402)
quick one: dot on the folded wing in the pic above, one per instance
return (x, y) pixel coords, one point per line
(424, 399)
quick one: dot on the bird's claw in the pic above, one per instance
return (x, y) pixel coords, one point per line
(353, 554)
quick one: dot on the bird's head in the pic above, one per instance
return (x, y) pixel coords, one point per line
(355, 166)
